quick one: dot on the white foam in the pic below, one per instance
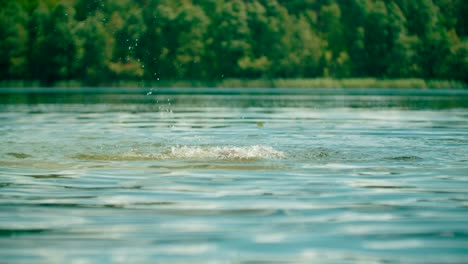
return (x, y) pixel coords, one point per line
(193, 152)
(225, 153)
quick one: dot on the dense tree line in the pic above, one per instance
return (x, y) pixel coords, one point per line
(101, 41)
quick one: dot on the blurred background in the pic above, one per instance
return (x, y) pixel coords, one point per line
(203, 42)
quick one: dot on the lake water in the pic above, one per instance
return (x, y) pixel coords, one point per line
(233, 176)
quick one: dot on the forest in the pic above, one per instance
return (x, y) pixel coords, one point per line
(98, 42)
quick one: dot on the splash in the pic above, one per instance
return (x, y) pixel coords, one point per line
(256, 152)
(225, 153)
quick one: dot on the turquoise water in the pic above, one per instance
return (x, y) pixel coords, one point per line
(233, 176)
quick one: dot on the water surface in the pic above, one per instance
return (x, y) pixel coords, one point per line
(233, 176)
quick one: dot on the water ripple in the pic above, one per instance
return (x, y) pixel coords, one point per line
(335, 178)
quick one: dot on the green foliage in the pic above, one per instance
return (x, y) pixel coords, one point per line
(14, 41)
(95, 52)
(191, 23)
(128, 37)
(53, 48)
(229, 40)
(303, 49)
(103, 41)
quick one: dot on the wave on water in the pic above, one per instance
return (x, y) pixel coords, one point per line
(255, 152)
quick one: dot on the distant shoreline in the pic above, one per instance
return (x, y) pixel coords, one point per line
(259, 83)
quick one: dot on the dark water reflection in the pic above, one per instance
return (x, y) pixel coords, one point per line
(235, 176)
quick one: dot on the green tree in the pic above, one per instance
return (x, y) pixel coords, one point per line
(86, 8)
(99, 40)
(191, 24)
(37, 28)
(335, 62)
(228, 40)
(127, 49)
(159, 39)
(383, 30)
(303, 49)
(297, 7)
(433, 49)
(30, 5)
(95, 52)
(54, 44)
(265, 21)
(353, 14)
(457, 62)
(462, 21)
(14, 42)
